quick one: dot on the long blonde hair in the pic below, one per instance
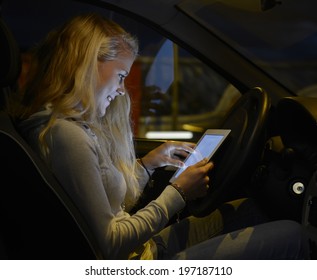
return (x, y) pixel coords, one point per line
(64, 74)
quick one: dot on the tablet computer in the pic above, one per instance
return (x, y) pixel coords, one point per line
(206, 147)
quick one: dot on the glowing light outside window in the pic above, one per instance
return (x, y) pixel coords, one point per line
(161, 73)
(169, 135)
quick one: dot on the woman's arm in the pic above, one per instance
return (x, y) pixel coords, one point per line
(74, 160)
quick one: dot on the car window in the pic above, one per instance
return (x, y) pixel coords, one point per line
(174, 94)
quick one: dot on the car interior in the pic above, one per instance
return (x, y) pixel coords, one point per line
(270, 155)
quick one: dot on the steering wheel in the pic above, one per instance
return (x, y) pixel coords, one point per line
(237, 157)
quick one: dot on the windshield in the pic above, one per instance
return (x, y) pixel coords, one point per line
(278, 36)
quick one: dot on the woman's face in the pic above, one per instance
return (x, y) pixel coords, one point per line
(111, 81)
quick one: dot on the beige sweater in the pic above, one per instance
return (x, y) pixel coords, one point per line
(98, 189)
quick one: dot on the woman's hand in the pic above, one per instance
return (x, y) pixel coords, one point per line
(169, 153)
(194, 181)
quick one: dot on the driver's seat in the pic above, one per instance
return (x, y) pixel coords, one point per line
(37, 218)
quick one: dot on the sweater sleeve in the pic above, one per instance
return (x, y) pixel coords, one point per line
(74, 161)
(142, 175)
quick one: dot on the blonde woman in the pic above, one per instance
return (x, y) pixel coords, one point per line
(75, 112)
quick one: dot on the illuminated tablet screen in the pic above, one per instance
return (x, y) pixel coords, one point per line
(205, 148)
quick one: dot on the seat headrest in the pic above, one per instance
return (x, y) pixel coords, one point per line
(10, 60)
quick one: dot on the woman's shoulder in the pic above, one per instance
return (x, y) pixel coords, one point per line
(69, 140)
(69, 131)
(66, 127)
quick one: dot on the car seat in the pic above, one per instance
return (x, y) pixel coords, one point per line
(38, 220)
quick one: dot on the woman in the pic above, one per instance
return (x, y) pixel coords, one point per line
(75, 113)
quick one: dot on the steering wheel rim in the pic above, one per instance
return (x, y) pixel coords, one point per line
(240, 153)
